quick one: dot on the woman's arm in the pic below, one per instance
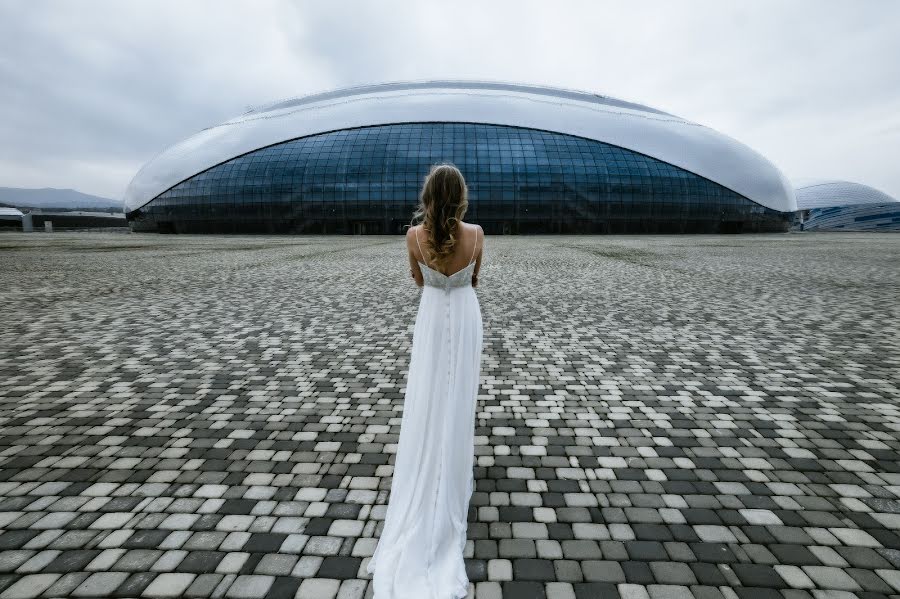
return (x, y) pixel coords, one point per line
(479, 234)
(414, 269)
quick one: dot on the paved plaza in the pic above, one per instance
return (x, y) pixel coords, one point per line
(663, 417)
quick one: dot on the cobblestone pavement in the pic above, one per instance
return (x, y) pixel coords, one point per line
(665, 417)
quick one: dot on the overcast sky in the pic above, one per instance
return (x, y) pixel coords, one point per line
(91, 90)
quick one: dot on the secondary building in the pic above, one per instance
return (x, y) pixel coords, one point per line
(845, 206)
(11, 218)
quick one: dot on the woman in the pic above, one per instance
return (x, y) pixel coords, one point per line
(420, 550)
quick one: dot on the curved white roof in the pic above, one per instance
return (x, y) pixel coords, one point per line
(828, 193)
(642, 129)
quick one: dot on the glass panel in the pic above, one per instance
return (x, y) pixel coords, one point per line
(520, 180)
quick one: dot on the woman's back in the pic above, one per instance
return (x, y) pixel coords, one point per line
(468, 248)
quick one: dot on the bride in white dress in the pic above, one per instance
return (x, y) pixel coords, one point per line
(420, 551)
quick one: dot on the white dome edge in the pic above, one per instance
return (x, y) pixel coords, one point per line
(665, 137)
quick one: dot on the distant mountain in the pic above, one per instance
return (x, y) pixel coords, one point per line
(49, 197)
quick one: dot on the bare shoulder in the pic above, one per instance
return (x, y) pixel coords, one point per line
(477, 236)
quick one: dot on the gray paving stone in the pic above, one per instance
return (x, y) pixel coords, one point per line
(633, 591)
(869, 581)
(66, 583)
(203, 585)
(38, 561)
(276, 564)
(354, 589)
(560, 590)
(169, 560)
(708, 592)
(826, 577)
(892, 577)
(673, 573)
(10, 560)
(794, 576)
(169, 584)
(135, 584)
(581, 550)
(318, 588)
(566, 570)
(307, 566)
(250, 586)
(603, 571)
(488, 590)
(668, 591)
(28, 586)
(232, 563)
(499, 569)
(137, 560)
(223, 586)
(100, 584)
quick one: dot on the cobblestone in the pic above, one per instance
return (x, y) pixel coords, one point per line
(706, 417)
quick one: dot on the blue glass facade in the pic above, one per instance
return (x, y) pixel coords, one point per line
(367, 180)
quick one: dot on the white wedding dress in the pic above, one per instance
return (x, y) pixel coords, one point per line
(420, 551)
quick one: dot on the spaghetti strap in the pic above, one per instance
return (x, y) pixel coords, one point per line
(475, 247)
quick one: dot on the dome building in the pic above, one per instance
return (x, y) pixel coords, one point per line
(536, 159)
(826, 205)
(11, 218)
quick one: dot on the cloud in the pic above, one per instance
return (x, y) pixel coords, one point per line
(92, 90)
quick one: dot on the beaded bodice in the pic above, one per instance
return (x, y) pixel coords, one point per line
(434, 278)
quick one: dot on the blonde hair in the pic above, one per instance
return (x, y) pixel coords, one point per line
(442, 204)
